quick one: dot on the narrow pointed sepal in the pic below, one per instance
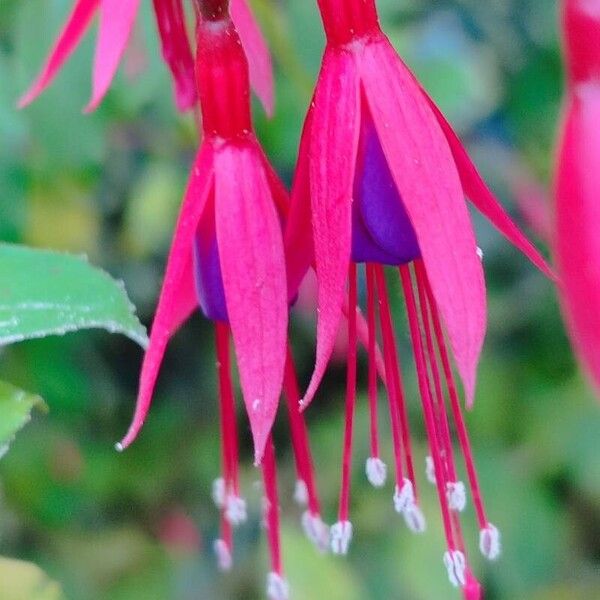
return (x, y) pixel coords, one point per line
(68, 39)
(332, 161)
(423, 169)
(253, 269)
(177, 298)
(482, 198)
(117, 18)
(257, 51)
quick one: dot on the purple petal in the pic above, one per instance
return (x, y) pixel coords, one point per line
(381, 229)
(207, 270)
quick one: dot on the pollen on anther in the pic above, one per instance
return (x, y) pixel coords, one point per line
(277, 587)
(376, 471)
(218, 492)
(301, 493)
(316, 531)
(341, 536)
(235, 510)
(489, 542)
(404, 496)
(223, 554)
(456, 565)
(414, 518)
(457, 495)
(430, 470)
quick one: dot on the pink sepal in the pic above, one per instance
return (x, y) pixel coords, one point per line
(424, 171)
(334, 134)
(177, 298)
(253, 268)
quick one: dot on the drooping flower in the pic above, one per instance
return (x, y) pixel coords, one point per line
(381, 180)
(577, 242)
(227, 258)
(117, 18)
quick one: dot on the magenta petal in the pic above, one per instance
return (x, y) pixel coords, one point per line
(117, 18)
(257, 51)
(207, 268)
(480, 195)
(177, 296)
(253, 267)
(333, 149)
(176, 51)
(577, 224)
(424, 171)
(69, 37)
(299, 248)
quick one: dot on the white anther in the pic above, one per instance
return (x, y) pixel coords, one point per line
(223, 554)
(430, 469)
(301, 493)
(218, 492)
(256, 404)
(479, 253)
(456, 565)
(235, 510)
(457, 495)
(415, 519)
(316, 531)
(376, 471)
(404, 496)
(277, 587)
(489, 542)
(340, 535)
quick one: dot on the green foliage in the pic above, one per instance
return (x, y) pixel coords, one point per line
(16, 407)
(47, 293)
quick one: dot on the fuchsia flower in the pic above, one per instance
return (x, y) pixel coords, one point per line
(577, 241)
(381, 180)
(117, 18)
(227, 257)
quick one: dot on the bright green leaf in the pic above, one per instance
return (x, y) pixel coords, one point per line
(15, 412)
(50, 293)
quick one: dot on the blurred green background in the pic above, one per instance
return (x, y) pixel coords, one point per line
(124, 527)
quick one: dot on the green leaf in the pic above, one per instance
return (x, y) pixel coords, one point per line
(23, 580)
(50, 293)
(15, 412)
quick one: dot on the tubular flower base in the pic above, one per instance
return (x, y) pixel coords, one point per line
(381, 180)
(117, 18)
(577, 243)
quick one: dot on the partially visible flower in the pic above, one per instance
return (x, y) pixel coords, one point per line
(117, 18)
(381, 180)
(227, 257)
(577, 231)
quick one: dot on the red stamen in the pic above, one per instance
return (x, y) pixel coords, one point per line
(440, 403)
(227, 410)
(395, 381)
(272, 506)
(300, 443)
(372, 376)
(461, 429)
(223, 547)
(344, 507)
(419, 356)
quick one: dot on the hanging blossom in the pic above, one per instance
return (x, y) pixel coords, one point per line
(227, 257)
(117, 18)
(381, 181)
(577, 242)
